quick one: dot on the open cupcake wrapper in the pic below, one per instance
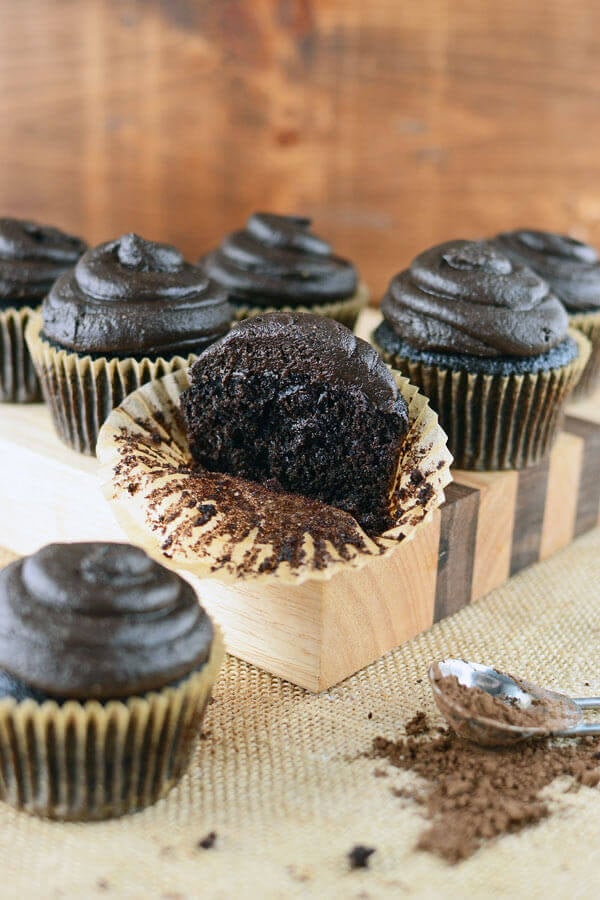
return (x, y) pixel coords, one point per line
(85, 761)
(589, 325)
(497, 422)
(156, 496)
(80, 391)
(345, 311)
(18, 378)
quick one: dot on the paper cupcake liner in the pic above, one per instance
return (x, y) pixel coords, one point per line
(18, 379)
(81, 392)
(195, 520)
(88, 761)
(589, 324)
(496, 422)
(344, 311)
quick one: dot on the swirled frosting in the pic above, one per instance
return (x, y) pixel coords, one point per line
(132, 297)
(98, 620)
(571, 268)
(468, 297)
(32, 257)
(277, 261)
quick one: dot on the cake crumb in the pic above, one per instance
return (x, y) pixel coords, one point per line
(359, 856)
(418, 724)
(208, 842)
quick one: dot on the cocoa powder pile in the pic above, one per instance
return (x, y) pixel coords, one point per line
(479, 703)
(471, 795)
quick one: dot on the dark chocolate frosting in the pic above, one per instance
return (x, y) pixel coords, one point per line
(320, 348)
(32, 257)
(276, 261)
(469, 297)
(571, 268)
(132, 297)
(98, 620)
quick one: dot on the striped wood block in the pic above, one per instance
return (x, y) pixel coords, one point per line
(491, 526)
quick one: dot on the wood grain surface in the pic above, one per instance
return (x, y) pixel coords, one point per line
(395, 125)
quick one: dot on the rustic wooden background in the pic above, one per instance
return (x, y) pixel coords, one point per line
(395, 124)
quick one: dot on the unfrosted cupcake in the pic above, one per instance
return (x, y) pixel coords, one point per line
(572, 269)
(32, 257)
(277, 263)
(107, 662)
(131, 310)
(488, 343)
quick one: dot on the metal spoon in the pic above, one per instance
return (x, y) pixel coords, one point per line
(564, 716)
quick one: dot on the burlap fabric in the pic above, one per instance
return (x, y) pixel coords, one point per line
(277, 777)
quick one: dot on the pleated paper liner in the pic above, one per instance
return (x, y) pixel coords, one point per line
(18, 379)
(219, 525)
(496, 422)
(89, 761)
(589, 324)
(81, 392)
(344, 311)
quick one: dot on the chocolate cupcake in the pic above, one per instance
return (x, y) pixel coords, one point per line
(572, 270)
(277, 263)
(106, 665)
(130, 311)
(288, 451)
(298, 403)
(32, 257)
(489, 344)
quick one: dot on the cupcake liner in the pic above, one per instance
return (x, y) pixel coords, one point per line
(496, 422)
(18, 379)
(219, 525)
(88, 761)
(81, 392)
(344, 311)
(589, 324)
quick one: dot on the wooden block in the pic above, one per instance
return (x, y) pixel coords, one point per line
(316, 634)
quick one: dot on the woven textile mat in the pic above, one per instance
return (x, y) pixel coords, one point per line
(276, 776)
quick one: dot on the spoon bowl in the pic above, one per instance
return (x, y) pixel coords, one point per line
(489, 724)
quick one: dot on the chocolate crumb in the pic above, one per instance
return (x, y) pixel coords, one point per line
(369, 715)
(418, 724)
(102, 884)
(471, 795)
(208, 842)
(359, 856)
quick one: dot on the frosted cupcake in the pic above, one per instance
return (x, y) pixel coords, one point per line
(288, 451)
(32, 257)
(106, 665)
(572, 270)
(277, 263)
(485, 339)
(130, 311)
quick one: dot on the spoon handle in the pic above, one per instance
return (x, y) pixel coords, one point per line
(587, 702)
(589, 728)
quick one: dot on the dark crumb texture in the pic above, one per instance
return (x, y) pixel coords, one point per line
(558, 356)
(471, 795)
(359, 856)
(299, 410)
(208, 842)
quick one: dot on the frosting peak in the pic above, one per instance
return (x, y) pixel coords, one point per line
(32, 257)
(132, 297)
(98, 620)
(571, 268)
(470, 297)
(277, 261)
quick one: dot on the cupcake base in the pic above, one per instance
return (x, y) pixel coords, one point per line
(494, 421)
(589, 325)
(344, 311)
(88, 761)
(18, 379)
(80, 391)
